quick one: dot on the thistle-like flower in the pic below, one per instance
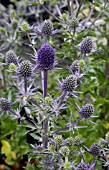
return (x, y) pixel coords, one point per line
(25, 69)
(46, 57)
(74, 67)
(69, 84)
(46, 29)
(5, 105)
(59, 140)
(86, 46)
(85, 166)
(95, 149)
(82, 166)
(86, 111)
(11, 57)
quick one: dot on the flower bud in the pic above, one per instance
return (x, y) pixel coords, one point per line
(13, 14)
(48, 100)
(77, 141)
(67, 165)
(12, 67)
(86, 111)
(65, 151)
(59, 140)
(81, 64)
(74, 23)
(25, 26)
(2, 30)
(70, 140)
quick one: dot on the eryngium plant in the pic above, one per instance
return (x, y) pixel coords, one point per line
(54, 146)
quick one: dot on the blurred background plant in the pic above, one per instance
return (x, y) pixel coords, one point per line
(21, 31)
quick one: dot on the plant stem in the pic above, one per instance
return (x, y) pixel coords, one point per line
(45, 122)
(44, 82)
(25, 84)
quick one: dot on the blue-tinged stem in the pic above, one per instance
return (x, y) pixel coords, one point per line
(44, 82)
(45, 122)
(25, 84)
(83, 56)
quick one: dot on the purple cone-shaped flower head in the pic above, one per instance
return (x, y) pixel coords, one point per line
(46, 57)
(95, 149)
(86, 45)
(86, 111)
(11, 57)
(5, 105)
(25, 69)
